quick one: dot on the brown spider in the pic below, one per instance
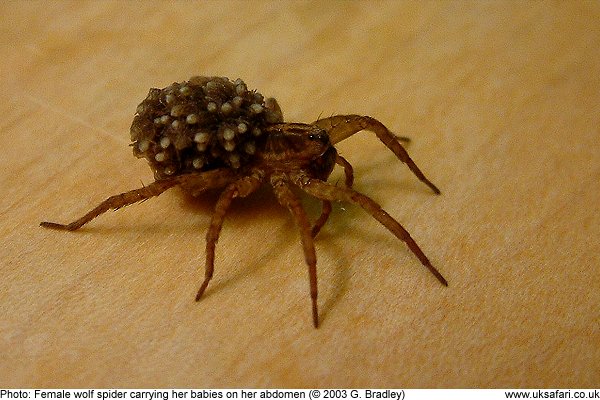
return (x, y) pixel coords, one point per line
(211, 132)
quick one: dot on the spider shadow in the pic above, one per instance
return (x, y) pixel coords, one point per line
(261, 202)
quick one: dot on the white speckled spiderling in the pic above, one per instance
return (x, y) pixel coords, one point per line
(198, 125)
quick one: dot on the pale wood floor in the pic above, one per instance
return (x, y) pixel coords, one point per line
(502, 100)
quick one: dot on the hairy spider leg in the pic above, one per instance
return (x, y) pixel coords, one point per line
(326, 205)
(207, 180)
(115, 202)
(325, 191)
(240, 188)
(289, 200)
(320, 222)
(340, 127)
(348, 171)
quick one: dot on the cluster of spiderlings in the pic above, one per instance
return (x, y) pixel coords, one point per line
(199, 125)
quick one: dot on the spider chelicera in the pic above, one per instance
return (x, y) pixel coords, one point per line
(214, 133)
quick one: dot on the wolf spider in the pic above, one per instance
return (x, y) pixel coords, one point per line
(212, 133)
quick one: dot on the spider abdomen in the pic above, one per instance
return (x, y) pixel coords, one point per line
(199, 125)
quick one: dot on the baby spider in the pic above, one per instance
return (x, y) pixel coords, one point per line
(214, 133)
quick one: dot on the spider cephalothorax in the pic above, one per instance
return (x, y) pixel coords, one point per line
(211, 133)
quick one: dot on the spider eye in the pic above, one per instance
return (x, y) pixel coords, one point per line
(321, 137)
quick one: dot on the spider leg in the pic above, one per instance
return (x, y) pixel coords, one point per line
(276, 115)
(210, 179)
(340, 127)
(325, 211)
(404, 139)
(240, 188)
(326, 205)
(289, 200)
(325, 191)
(348, 171)
(115, 202)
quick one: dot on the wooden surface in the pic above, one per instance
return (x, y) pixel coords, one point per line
(502, 100)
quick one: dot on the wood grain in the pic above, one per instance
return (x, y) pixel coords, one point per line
(502, 101)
